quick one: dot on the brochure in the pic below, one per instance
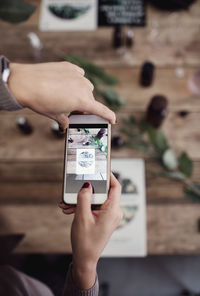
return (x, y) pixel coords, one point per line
(129, 239)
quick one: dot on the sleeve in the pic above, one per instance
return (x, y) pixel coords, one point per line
(70, 288)
(16, 283)
(7, 100)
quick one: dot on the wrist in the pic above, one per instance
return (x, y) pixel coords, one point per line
(84, 275)
(14, 84)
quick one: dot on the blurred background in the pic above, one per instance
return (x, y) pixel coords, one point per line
(144, 61)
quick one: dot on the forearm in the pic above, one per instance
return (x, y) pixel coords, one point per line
(84, 276)
(7, 100)
(73, 281)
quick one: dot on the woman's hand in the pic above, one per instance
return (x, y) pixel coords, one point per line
(55, 90)
(91, 231)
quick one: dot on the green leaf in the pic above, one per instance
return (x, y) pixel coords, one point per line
(131, 133)
(99, 143)
(15, 11)
(68, 11)
(140, 145)
(86, 130)
(132, 120)
(169, 159)
(112, 99)
(185, 164)
(161, 141)
(174, 175)
(106, 149)
(151, 132)
(192, 191)
(157, 138)
(129, 122)
(144, 126)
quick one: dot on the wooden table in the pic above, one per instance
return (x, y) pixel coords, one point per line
(31, 166)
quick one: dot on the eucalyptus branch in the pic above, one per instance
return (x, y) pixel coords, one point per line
(192, 186)
(177, 168)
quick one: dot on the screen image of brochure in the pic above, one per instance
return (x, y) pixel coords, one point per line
(86, 160)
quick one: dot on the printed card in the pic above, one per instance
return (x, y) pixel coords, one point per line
(129, 239)
(66, 15)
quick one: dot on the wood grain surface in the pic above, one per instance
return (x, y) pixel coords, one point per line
(31, 167)
(47, 231)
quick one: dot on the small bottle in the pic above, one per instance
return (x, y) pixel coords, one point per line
(129, 38)
(117, 142)
(56, 130)
(117, 37)
(157, 111)
(24, 126)
(147, 74)
(101, 133)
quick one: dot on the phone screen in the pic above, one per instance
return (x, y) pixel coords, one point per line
(86, 157)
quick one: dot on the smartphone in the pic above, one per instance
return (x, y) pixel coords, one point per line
(87, 157)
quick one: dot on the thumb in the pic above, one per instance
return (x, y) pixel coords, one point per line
(62, 120)
(84, 201)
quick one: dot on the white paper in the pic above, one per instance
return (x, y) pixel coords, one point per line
(85, 161)
(130, 239)
(68, 15)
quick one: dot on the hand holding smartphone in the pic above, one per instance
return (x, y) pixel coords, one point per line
(87, 157)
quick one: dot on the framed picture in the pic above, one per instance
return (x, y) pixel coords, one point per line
(129, 239)
(68, 15)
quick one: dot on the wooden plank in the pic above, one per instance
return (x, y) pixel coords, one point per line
(41, 183)
(42, 144)
(15, 145)
(177, 39)
(165, 83)
(47, 229)
(172, 229)
(173, 47)
(36, 193)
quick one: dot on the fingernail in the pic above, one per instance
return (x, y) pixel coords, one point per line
(86, 185)
(61, 129)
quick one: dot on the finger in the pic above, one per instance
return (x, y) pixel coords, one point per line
(63, 121)
(113, 180)
(101, 110)
(69, 211)
(79, 69)
(75, 67)
(96, 213)
(76, 112)
(62, 205)
(84, 201)
(114, 194)
(87, 81)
